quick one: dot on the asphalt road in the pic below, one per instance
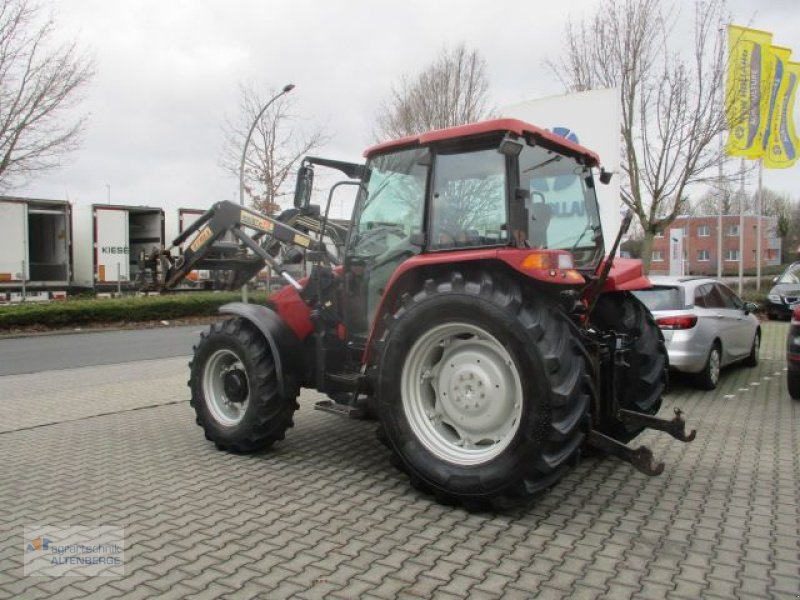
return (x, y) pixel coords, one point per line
(66, 351)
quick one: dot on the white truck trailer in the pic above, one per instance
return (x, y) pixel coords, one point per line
(110, 240)
(35, 244)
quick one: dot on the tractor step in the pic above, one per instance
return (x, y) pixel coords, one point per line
(343, 410)
(349, 380)
(641, 457)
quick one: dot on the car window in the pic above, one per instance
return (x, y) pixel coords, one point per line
(790, 275)
(708, 296)
(731, 300)
(661, 298)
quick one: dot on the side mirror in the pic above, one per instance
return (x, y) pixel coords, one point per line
(775, 279)
(304, 186)
(605, 176)
(750, 307)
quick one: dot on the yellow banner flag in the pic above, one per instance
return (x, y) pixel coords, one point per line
(747, 91)
(782, 143)
(777, 58)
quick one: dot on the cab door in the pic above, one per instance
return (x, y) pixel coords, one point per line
(387, 230)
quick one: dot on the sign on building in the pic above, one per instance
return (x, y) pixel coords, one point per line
(676, 267)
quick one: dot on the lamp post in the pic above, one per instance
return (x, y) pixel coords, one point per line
(286, 89)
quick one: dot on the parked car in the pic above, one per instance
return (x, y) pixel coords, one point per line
(706, 326)
(793, 355)
(784, 293)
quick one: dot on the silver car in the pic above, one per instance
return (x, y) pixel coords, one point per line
(706, 326)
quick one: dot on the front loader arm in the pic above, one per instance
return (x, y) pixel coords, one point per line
(221, 242)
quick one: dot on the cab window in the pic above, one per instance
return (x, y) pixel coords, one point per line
(469, 207)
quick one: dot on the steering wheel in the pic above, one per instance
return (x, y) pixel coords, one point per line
(375, 241)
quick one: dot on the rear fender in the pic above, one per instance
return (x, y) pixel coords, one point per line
(627, 274)
(283, 343)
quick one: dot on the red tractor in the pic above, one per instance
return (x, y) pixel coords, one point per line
(474, 314)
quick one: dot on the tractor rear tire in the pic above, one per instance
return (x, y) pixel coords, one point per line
(642, 386)
(234, 389)
(483, 393)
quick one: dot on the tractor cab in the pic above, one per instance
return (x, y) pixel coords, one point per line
(447, 194)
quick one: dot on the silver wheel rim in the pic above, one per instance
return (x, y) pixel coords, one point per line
(225, 411)
(713, 365)
(461, 393)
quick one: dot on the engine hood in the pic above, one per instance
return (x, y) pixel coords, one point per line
(786, 289)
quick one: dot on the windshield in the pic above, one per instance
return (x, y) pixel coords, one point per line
(791, 275)
(561, 204)
(391, 203)
(661, 298)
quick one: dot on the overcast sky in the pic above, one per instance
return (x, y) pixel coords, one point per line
(168, 71)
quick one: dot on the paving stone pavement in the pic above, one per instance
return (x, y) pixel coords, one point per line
(325, 515)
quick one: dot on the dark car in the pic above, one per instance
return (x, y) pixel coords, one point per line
(784, 293)
(793, 356)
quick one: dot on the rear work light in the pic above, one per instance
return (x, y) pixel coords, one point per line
(678, 322)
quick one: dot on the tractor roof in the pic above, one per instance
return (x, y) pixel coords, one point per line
(542, 136)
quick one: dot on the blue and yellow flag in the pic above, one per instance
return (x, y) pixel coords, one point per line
(782, 144)
(747, 91)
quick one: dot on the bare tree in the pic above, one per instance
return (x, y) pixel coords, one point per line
(780, 206)
(451, 91)
(40, 84)
(280, 140)
(671, 113)
(709, 203)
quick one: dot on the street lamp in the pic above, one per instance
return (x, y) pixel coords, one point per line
(286, 89)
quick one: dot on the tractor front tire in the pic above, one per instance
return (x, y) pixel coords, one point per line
(483, 392)
(642, 385)
(234, 389)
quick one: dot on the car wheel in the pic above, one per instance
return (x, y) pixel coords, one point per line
(752, 358)
(708, 378)
(793, 382)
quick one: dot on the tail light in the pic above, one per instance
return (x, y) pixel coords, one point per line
(796, 315)
(677, 322)
(551, 264)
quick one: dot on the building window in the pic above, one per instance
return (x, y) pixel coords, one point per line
(703, 255)
(704, 231)
(732, 255)
(658, 256)
(733, 230)
(659, 235)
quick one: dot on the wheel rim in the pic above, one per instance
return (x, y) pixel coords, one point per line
(461, 393)
(226, 387)
(713, 365)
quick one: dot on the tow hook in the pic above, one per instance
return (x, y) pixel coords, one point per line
(641, 457)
